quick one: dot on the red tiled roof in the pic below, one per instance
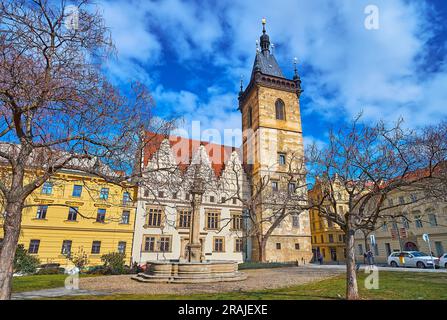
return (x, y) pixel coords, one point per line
(184, 148)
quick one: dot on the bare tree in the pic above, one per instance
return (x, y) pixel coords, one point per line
(267, 205)
(57, 110)
(361, 167)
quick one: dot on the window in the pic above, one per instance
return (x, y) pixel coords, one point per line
(405, 223)
(66, 247)
(394, 225)
(390, 202)
(212, 220)
(340, 238)
(234, 201)
(387, 249)
(322, 238)
(125, 217)
(104, 194)
(34, 246)
(184, 219)
(278, 246)
(331, 238)
(146, 193)
(295, 221)
(122, 247)
(413, 197)
(282, 159)
(360, 248)
(47, 188)
(222, 200)
(376, 249)
(101, 215)
(211, 198)
(384, 227)
(279, 108)
(432, 219)
(174, 195)
(238, 245)
(218, 244)
(236, 220)
(418, 222)
(126, 198)
(187, 196)
(165, 244)
(401, 200)
(41, 212)
(77, 190)
(250, 117)
(274, 186)
(149, 244)
(96, 247)
(161, 194)
(439, 248)
(330, 224)
(292, 187)
(72, 214)
(297, 246)
(154, 217)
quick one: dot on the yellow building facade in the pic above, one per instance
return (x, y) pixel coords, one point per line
(327, 237)
(74, 213)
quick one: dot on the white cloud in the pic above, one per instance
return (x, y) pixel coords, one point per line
(353, 69)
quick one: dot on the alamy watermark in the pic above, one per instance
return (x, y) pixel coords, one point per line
(372, 280)
(71, 17)
(372, 20)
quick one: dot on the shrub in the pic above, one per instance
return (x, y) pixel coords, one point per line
(79, 258)
(114, 263)
(25, 262)
(51, 271)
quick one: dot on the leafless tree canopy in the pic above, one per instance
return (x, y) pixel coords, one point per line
(362, 165)
(57, 110)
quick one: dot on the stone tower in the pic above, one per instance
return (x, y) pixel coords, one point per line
(271, 123)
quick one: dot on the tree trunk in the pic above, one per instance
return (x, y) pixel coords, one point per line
(261, 248)
(352, 292)
(11, 228)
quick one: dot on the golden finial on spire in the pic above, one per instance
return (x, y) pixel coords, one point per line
(263, 25)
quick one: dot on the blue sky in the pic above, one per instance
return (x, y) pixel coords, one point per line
(191, 55)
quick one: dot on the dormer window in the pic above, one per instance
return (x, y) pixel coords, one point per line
(280, 110)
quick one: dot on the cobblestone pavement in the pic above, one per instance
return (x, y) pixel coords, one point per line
(258, 279)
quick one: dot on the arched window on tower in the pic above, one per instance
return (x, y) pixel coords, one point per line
(280, 110)
(250, 117)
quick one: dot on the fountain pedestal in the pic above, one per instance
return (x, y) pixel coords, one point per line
(195, 269)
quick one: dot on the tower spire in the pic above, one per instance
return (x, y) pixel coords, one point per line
(265, 40)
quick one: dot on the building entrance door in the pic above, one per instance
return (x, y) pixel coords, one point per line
(333, 254)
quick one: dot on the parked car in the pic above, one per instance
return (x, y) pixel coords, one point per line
(412, 259)
(443, 260)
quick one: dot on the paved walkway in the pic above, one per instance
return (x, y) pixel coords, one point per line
(53, 293)
(381, 268)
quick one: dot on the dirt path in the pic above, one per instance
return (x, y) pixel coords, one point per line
(258, 279)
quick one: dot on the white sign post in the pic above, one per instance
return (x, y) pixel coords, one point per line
(426, 238)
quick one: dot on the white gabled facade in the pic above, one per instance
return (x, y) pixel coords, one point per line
(161, 226)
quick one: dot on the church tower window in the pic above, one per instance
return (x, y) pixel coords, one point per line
(279, 107)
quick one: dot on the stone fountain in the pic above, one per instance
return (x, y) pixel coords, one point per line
(194, 269)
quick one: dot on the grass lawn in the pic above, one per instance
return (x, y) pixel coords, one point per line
(392, 286)
(39, 282)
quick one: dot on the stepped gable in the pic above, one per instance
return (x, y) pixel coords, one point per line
(183, 150)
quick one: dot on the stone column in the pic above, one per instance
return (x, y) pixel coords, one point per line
(194, 248)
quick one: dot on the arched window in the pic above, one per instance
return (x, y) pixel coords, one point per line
(280, 110)
(250, 117)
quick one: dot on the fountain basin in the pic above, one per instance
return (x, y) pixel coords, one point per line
(190, 272)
